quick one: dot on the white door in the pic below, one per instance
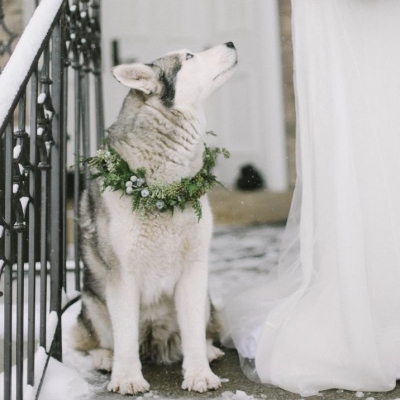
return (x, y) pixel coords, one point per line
(247, 112)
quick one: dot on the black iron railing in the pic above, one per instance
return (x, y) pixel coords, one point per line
(35, 122)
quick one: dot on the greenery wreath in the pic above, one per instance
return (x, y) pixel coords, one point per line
(116, 174)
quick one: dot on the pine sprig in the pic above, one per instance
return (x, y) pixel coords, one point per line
(146, 198)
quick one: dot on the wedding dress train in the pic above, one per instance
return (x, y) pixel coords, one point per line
(329, 315)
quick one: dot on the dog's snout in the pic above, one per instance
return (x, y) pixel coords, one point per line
(230, 45)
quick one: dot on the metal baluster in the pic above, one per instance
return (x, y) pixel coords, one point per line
(33, 208)
(65, 64)
(19, 227)
(96, 52)
(85, 48)
(57, 171)
(76, 65)
(44, 134)
(9, 259)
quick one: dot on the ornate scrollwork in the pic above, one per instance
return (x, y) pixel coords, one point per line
(20, 197)
(83, 35)
(45, 112)
(21, 169)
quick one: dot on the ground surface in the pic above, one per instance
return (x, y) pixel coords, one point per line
(166, 384)
(240, 257)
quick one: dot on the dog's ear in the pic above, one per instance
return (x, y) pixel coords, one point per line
(136, 76)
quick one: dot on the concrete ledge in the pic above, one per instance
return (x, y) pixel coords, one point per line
(234, 207)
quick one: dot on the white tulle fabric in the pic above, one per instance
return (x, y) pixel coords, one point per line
(329, 315)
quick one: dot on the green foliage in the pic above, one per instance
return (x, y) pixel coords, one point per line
(146, 198)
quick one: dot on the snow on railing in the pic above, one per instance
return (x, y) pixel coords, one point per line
(34, 90)
(17, 71)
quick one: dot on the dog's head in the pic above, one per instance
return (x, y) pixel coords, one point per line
(181, 78)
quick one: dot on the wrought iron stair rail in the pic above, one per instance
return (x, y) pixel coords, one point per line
(35, 120)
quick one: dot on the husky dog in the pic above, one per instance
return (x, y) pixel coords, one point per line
(145, 280)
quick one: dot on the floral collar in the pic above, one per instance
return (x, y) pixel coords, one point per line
(146, 198)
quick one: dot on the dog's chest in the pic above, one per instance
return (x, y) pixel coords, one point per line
(152, 249)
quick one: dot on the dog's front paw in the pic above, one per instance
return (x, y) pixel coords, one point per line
(128, 383)
(201, 382)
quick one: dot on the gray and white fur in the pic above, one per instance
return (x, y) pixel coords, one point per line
(145, 280)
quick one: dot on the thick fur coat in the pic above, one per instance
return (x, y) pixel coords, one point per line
(145, 280)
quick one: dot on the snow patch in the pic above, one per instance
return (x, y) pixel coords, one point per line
(63, 383)
(239, 395)
(310, 393)
(48, 114)
(41, 98)
(24, 203)
(17, 151)
(52, 322)
(359, 394)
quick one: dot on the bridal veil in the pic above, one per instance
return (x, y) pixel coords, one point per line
(329, 315)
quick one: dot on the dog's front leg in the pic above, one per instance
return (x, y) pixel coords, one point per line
(123, 299)
(193, 313)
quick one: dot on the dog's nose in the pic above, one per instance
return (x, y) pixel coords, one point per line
(230, 45)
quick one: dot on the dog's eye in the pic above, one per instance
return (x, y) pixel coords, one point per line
(189, 56)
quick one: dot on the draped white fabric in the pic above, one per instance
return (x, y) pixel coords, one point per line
(329, 316)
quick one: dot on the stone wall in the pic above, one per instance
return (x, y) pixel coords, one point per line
(13, 11)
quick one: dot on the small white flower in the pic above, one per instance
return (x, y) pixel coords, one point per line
(140, 182)
(145, 193)
(128, 184)
(129, 190)
(179, 198)
(133, 178)
(160, 204)
(108, 154)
